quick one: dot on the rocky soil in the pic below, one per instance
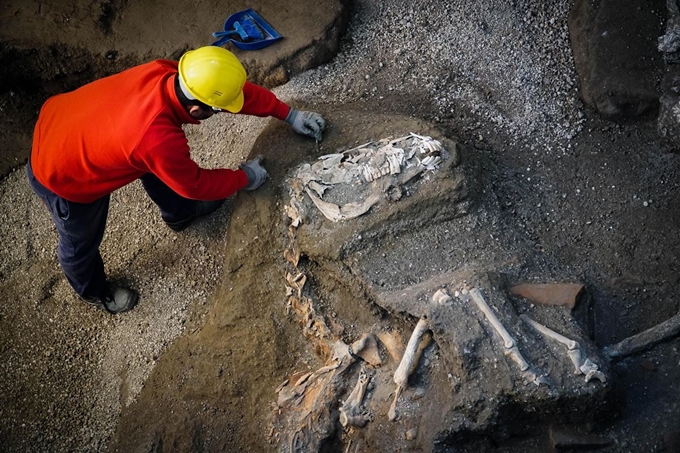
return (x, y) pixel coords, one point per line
(582, 198)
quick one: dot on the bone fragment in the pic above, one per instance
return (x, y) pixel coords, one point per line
(592, 371)
(393, 344)
(392, 413)
(516, 357)
(292, 253)
(570, 344)
(511, 349)
(401, 375)
(340, 351)
(574, 351)
(329, 210)
(411, 434)
(349, 211)
(367, 348)
(477, 297)
(294, 215)
(318, 188)
(576, 357)
(645, 340)
(297, 282)
(441, 297)
(350, 412)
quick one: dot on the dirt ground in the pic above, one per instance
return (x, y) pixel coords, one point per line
(564, 194)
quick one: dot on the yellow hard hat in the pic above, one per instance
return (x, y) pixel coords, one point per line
(214, 76)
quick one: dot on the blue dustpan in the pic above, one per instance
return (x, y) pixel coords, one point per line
(247, 30)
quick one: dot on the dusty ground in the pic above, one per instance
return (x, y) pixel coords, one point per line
(583, 199)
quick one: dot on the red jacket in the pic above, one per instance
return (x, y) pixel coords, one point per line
(104, 135)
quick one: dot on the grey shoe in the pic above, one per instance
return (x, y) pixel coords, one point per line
(114, 299)
(202, 208)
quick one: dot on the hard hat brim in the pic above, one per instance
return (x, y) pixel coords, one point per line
(237, 105)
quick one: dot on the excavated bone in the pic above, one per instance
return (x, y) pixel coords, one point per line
(350, 412)
(367, 348)
(329, 210)
(511, 348)
(592, 371)
(292, 254)
(574, 351)
(645, 340)
(573, 348)
(429, 143)
(402, 373)
(349, 211)
(576, 357)
(294, 215)
(393, 344)
(441, 297)
(296, 282)
(477, 297)
(340, 351)
(386, 160)
(392, 412)
(318, 188)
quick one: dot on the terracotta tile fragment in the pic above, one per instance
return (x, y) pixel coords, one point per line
(564, 294)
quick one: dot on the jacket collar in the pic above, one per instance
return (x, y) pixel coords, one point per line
(177, 106)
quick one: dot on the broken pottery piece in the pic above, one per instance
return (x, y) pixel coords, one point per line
(564, 294)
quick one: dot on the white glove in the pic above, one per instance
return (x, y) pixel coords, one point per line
(255, 172)
(306, 123)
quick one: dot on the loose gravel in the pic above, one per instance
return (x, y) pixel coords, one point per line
(491, 65)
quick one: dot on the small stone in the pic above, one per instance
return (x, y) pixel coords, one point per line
(411, 434)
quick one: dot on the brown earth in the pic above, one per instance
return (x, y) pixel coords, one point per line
(195, 366)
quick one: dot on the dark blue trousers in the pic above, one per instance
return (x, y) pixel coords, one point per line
(81, 229)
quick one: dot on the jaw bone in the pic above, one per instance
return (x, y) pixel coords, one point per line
(402, 373)
(511, 349)
(574, 351)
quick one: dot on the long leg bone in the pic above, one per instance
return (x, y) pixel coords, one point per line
(645, 340)
(350, 412)
(477, 297)
(511, 348)
(573, 348)
(581, 365)
(402, 373)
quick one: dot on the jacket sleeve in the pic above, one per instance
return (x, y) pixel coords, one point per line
(165, 153)
(259, 101)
